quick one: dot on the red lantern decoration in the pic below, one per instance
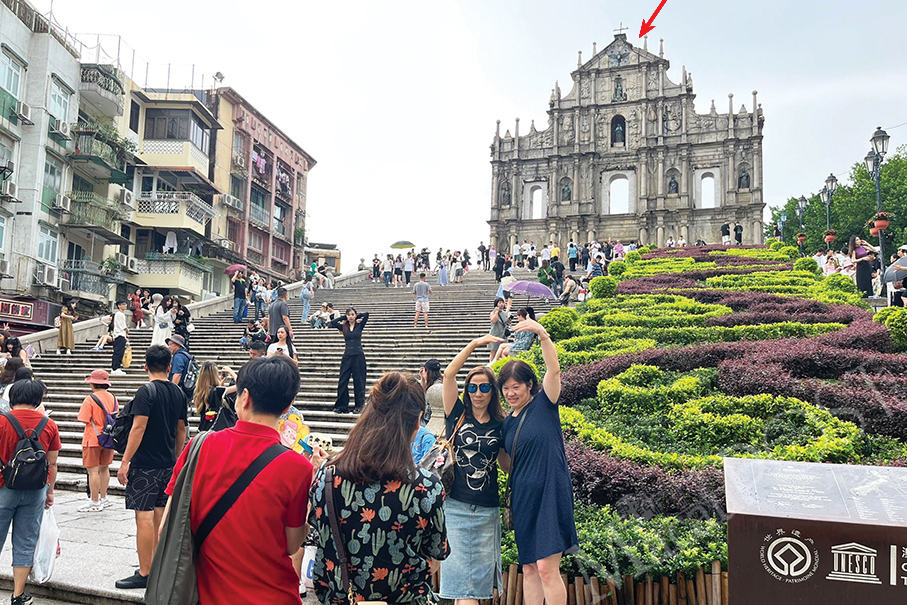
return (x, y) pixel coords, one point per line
(874, 231)
(830, 238)
(881, 224)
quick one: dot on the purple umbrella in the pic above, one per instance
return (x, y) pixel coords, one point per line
(530, 288)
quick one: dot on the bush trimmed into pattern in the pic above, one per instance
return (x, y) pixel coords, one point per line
(632, 257)
(560, 322)
(807, 264)
(603, 286)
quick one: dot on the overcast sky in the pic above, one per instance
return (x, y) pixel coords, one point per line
(398, 100)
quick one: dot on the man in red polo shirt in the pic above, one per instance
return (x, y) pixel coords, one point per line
(246, 558)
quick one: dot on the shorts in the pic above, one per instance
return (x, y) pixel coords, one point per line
(459, 272)
(96, 456)
(145, 488)
(725, 239)
(398, 271)
(421, 307)
(473, 569)
(507, 294)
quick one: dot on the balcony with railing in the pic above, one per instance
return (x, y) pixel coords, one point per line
(101, 87)
(256, 258)
(259, 215)
(280, 228)
(284, 188)
(88, 279)
(173, 210)
(262, 168)
(179, 273)
(91, 213)
(96, 157)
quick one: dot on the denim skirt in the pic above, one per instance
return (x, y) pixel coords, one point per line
(473, 569)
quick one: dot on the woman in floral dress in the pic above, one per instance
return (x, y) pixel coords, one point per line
(389, 511)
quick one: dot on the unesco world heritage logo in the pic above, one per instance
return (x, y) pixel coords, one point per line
(789, 557)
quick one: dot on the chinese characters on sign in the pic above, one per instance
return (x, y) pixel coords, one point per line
(19, 311)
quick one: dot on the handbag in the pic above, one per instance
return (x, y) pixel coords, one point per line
(127, 356)
(173, 579)
(507, 509)
(345, 586)
(441, 458)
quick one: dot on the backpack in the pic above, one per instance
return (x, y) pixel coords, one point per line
(190, 376)
(122, 426)
(105, 438)
(27, 467)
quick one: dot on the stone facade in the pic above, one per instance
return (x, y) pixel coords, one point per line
(625, 155)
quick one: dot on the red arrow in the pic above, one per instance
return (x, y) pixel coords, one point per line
(647, 25)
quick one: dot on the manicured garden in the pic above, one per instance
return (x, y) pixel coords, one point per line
(684, 356)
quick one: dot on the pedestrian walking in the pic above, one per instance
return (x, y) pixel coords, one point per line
(491, 256)
(408, 267)
(388, 270)
(279, 315)
(738, 233)
(65, 336)
(307, 294)
(376, 469)
(443, 275)
(239, 296)
(421, 291)
(96, 459)
(540, 487)
(23, 505)
(159, 418)
(120, 334)
(473, 426)
(352, 364)
(726, 233)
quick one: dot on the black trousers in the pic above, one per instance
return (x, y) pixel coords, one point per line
(119, 348)
(572, 264)
(351, 366)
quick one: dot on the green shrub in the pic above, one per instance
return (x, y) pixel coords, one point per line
(560, 323)
(775, 245)
(603, 286)
(617, 268)
(633, 257)
(839, 283)
(806, 264)
(645, 250)
(883, 314)
(791, 252)
(897, 326)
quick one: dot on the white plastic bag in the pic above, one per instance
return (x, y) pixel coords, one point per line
(46, 550)
(308, 565)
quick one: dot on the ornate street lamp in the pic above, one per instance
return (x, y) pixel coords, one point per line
(827, 192)
(801, 208)
(873, 161)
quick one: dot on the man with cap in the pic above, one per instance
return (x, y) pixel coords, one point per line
(97, 459)
(181, 358)
(119, 334)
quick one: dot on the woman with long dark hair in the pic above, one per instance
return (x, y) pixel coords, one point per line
(283, 345)
(181, 321)
(352, 365)
(163, 319)
(473, 425)
(540, 484)
(208, 400)
(15, 350)
(858, 250)
(391, 510)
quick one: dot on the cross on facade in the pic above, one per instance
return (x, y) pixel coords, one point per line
(621, 29)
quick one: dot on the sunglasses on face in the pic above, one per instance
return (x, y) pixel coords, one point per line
(472, 387)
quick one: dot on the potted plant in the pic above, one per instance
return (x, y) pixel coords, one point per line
(830, 235)
(111, 265)
(882, 219)
(874, 231)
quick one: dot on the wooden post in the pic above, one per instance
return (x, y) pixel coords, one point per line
(595, 589)
(511, 587)
(716, 582)
(708, 589)
(700, 588)
(629, 597)
(681, 589)
(640, 593)
(587, 593)
(656, 594)
(580, 590)
(724, 589)
(650, 597)
(519, 590)
(691, 592)
(502, 597)
(612, 592)
(672, 595)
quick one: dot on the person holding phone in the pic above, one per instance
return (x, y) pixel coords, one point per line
(283, 345)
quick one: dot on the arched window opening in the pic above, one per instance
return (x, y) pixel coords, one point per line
(707, 186)
(538, 204)
(620, 195)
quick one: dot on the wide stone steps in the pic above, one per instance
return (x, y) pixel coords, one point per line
(459, 313)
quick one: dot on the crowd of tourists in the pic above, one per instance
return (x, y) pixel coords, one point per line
(389, 480)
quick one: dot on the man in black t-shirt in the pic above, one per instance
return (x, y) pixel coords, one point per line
(157, 437)
(738, 233)
(559, 269)
(279, 315)
(726, 233)
(239, 296)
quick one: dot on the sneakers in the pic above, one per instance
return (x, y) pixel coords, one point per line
(23, 599)
(106, 503)
(117, 372)
(136, 580)
(90, 507)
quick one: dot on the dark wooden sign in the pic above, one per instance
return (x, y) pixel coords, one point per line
(800, 533)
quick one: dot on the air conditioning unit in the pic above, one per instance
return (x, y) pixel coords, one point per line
(122, 259)
(239, 161)
(9, 190)
(61, 128)
(23, 112)
(47, 276)
(226, 244)
(62, 203)
(132, 264)
(127, 198)
(4, 268)
(64, 284)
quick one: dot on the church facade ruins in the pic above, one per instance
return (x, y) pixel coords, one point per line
(626, 156)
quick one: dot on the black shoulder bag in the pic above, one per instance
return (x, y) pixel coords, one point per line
(507, 510)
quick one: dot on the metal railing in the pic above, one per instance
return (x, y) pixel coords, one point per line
(280, 227)
(254, 257)
(89, 146)
(95, 74)
(91, 214)
(259, 215)
(87, 196)
(179, 258)
(173, 202)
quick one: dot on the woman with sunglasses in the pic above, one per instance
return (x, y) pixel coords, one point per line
(473, 425)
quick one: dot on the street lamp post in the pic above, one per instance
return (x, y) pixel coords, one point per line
(831, 184)
(801, 208)
(873, 161)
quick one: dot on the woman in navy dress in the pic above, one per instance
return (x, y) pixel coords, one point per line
(541, 489)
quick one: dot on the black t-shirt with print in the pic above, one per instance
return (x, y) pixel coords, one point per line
(476, 446)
